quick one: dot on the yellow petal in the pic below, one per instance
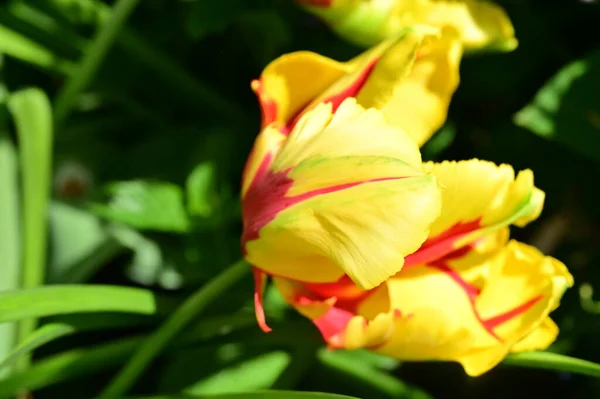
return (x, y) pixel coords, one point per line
(475, 317)
(539, 339)
(478, 198)
(480, 23)
(323, 227)
(293, 80)
(419, 103)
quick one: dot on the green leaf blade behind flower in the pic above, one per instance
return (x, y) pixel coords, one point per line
(555, 362)
(567, 108)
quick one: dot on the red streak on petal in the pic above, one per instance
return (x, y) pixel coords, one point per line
(259, 311)
(500, 319)
(337, 99)
(473, 292)
(268, 106)
(344, 288)
(443, 244)
(267, 196)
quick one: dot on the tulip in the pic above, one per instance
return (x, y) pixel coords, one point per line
(467, 294)
(410, 78)
(343, 193)
(479, 24)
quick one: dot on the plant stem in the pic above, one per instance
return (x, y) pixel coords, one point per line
(91, 61)
(190, 309)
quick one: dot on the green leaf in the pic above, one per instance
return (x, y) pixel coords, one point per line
(258, 395)
(567, 108)
(259, 372)
(553, 361)
(347, 366)
(145, 205)
(80, 362)
(200, 187)
(10, 247)
(21, 47)
(32, 115)
(36, 339)
(57, 299)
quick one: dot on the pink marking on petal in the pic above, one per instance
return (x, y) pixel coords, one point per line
(259, 286)
(266, 197)
(335, 100)
(443, 244)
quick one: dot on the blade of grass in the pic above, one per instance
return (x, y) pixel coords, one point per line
(9, 228)
(32, 115)
(92, 59)
(195, 304)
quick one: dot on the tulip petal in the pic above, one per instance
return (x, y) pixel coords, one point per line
(471, 317)
(259, 286)
(539, 339)
(292, 81)
(480, 23)
(321, 202)
(265, 147)
(478, 197)
(419, 103)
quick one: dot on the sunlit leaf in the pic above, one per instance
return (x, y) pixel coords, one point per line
(145, 205)
(200, 188)
(21, 47)
(57, 299)
(257, 395)
(10, 247)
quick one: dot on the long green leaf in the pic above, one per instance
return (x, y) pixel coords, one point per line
(258, 395)
(9, 228)
(38, 338)
(80, 362)
(57, 299)
(553, 361)
(21, 47)
(32, 115)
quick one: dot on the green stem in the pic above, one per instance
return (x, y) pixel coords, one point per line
(182, 316)
(96, 52)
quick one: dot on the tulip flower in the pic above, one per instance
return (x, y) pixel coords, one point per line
(480, 24)
(466, 295)
(343, 194)
(410, 78)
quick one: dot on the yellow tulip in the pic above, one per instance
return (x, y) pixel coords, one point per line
(466, 294)
(410, 78)
(480, 24)
(343, 194)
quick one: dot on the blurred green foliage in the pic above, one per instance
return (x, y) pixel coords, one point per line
(153, 118)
